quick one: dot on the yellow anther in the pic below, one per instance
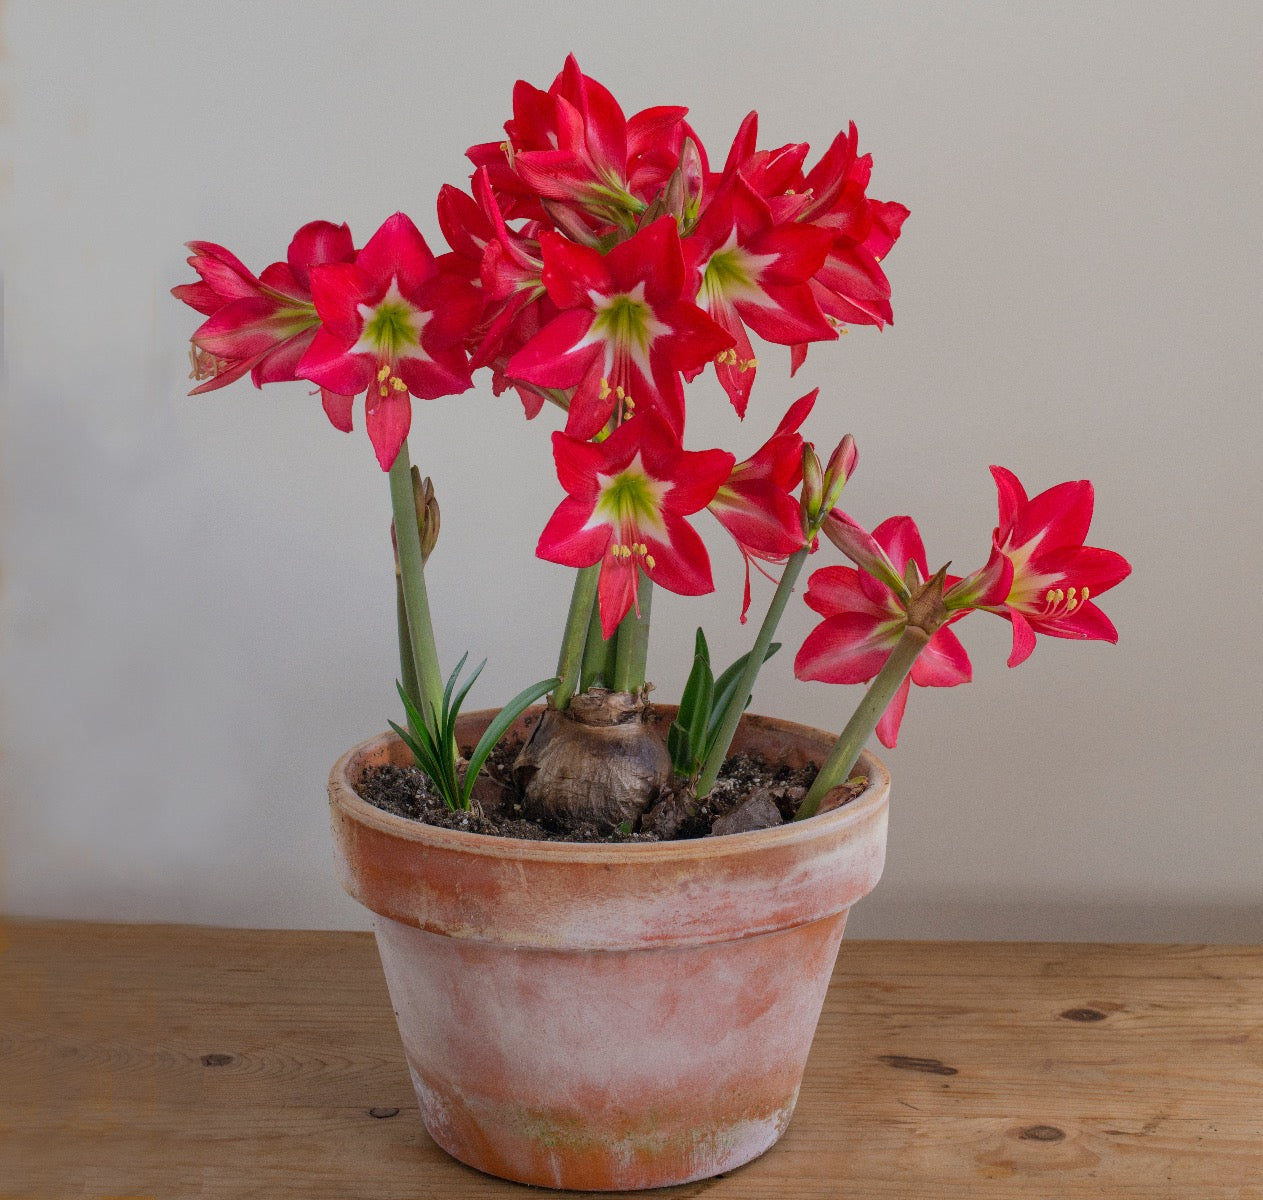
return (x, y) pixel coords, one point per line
(1085, 595)
(1071, 593)
(618, 391)
(749, 364)
(649, 561)
(383, 390)
(790, 192)
(1060, 595)
(1050, 596)
(628, 403)
(382, 372)
(398, 384)
(605, 389)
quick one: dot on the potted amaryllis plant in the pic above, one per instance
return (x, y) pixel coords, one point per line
(629, 1004)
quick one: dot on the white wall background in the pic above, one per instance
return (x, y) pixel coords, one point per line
(197, 601)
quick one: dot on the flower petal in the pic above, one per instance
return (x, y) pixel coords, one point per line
(849, 648)
(892, 718)
(387, 419)
(943, 662)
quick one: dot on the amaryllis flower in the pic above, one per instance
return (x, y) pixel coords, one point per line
(572, 146)
(865, 615)
(262, 325)
(755, 503)
(1055, 576)
(393, 325)
(752, 272)
(625, 331)
(627, 501)
(851, 287)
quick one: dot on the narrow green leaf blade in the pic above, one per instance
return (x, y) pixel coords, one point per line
(495, 731)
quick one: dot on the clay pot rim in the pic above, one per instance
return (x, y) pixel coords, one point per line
(343, 796)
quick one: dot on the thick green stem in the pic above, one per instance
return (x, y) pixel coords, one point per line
(745, 684)
(846, 750)
(407, 664)
(598, 655)
(412, 576)
(578, 620)
(633, 642)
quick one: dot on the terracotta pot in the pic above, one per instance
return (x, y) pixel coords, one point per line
(608, 1016)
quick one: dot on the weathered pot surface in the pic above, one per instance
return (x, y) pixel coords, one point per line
(608, 1017)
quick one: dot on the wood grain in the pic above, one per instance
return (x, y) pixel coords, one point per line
(175, 1061)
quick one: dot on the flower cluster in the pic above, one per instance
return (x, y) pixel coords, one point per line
(1039, 576)
(599, 262)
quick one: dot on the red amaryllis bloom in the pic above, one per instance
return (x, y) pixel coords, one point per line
(752, 272)
(851, 287)
(1055, 575)
(261, 325)
(573, 146)
(755, 503)
(394, 325)
(625, 332)
(627, 500)
(865, 615)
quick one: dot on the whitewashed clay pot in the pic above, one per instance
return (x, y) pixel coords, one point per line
(608, 1017)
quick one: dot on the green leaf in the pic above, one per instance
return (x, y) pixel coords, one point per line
(428, 749)
(496, 730)
(451, 682)
(680, 748)
(460, 696)
(698, 687)
(725, 687)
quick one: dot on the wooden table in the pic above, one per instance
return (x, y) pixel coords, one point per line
(184, 1062)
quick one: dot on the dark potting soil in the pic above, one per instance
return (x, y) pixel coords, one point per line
(750, 793)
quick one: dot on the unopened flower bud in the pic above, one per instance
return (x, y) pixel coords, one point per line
(925, 607)
(813, 484)
(427, 517)
(427, 512)
(841, 467)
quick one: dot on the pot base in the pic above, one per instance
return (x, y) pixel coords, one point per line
(607, 1071)
(609, 1017)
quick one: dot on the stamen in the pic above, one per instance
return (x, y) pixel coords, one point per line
(398, 384)
(382, 372)
(649, 562)
(604, 390)
(383, 390)
(1085, 595)
(618, 391)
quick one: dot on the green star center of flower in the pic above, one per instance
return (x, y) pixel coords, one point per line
(726, 272)
(626, 321)
(631, 500)
(392, 329)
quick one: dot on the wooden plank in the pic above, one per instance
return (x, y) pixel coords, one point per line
(171, 1061)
